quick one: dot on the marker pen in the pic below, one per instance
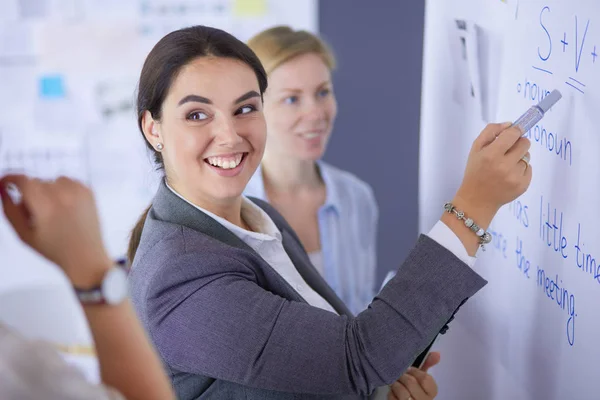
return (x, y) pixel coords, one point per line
(535, 113)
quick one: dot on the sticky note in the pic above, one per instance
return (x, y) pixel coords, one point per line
(52, 86)
(250, 8)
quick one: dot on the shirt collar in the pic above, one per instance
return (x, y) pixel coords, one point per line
(256, 187)
(263, 227)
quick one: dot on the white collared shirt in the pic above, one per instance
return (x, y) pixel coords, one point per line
(316, 258)
(266, 240)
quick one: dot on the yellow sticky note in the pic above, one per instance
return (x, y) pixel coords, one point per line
(250, 8)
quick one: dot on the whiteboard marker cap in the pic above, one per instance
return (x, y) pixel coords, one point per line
(550, 100)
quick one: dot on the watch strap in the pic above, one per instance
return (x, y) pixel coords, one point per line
(94, 296)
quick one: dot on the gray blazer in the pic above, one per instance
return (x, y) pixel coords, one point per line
(228, 326)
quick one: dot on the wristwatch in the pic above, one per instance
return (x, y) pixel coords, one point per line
(112, 290)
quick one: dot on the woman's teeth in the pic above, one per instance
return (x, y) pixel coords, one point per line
(225, 162)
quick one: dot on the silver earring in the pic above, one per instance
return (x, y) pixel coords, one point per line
(159, 146)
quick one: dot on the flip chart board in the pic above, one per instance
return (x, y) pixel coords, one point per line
(532, 332)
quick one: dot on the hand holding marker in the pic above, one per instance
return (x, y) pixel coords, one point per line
(525, 122)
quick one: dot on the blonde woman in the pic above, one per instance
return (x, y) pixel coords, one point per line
(333, 212)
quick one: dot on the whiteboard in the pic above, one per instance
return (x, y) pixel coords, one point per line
(68, 74)
(531, 332)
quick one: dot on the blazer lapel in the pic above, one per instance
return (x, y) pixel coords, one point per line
(168, 207)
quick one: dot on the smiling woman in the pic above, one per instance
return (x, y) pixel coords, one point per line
(191, 112)
(223, 284)
(213, 111)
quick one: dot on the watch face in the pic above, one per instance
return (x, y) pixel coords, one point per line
(114, 287)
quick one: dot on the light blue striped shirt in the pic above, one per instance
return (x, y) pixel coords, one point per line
(348, 232)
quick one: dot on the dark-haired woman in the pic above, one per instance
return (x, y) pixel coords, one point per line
(222, 283)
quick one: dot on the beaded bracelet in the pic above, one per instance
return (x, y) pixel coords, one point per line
(484, 237)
